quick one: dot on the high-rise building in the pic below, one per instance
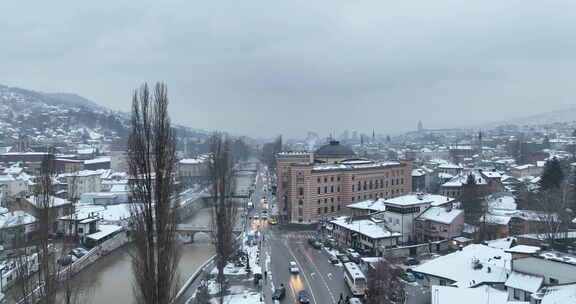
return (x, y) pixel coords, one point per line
(317, 186)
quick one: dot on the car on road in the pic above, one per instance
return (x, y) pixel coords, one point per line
(293, 267)
(411, 262)
(316, 245)
(279, 293)
(78, 252)
(256, 216)
(272, 221)
(354, 301)
(303, 297)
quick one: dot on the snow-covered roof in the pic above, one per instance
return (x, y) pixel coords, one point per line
(192, 161)
(559, 257)
(461, 179)
(416, 199)
(103, 159)
(440, 214)
(502, 202)
(492, 174)
(478, 295)
(523, 281)
(105, 230)
(418, 172)
(450, 166)
(495, 266)
(524, 249)
(365, 227)
(524, 167)
(559, 294)
(109, 213)
(372, 205)
(53, 201)
(503, 243)
(15, 218)
(354, 165)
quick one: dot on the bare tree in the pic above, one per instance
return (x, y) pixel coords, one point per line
(46, 215)
(152, 158)
(39, 277)
(224, 210)
(384, 284)
(554, 215)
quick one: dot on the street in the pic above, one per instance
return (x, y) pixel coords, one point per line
(323, 281)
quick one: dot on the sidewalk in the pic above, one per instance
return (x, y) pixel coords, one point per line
(242, 287)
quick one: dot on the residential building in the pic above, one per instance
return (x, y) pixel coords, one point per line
(488, 182)
(365, 235)
(33, 205)
(81, 182)
(193, 170)
(78, 224)
(402, 211)
(439, 223)
(535, 271)
(16, 227)
(317, 186)
(471, 266)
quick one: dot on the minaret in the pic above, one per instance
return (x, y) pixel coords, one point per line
(420, 126)
(480, 142)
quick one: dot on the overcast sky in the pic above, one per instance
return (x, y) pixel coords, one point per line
(263, 68)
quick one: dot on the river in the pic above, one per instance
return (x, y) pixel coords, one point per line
(110, 278)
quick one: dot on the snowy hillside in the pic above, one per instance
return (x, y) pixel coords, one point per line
(59, 116)
(558, 116)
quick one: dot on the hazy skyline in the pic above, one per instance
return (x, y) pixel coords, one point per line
(263, 68)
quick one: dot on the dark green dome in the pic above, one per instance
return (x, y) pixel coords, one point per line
(334, 150)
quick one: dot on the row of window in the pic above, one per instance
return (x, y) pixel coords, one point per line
(319, 211)
(326, 200)
(393, 192)
(319, 180)
(376, 184)
(326, 188)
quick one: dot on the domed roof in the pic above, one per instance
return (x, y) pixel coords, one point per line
(334, 150)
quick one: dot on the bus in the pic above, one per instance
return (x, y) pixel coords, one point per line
(355, 279)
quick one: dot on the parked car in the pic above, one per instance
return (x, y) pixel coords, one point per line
(279, 293)
(293, 267)
(303, 297)
(355, 257)
(66, 260)
(408, 277)
(78, 252)
(333, 260)
(343, 258)
(411, 261)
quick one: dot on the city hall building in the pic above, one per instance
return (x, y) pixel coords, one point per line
(317, 186)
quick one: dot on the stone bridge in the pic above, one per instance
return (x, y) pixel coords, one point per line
(186, 230)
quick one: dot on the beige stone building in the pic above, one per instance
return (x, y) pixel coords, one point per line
(317, 186)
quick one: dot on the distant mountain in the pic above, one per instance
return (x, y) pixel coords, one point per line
(60, 118)
(557, 116)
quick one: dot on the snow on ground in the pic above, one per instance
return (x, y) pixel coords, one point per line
(244, 298)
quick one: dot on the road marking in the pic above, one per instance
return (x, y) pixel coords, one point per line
(322, 278)
(304, 274)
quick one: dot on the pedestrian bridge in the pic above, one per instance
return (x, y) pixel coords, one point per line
(187, 230)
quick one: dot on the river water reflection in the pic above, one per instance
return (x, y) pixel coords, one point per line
(110, 278)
